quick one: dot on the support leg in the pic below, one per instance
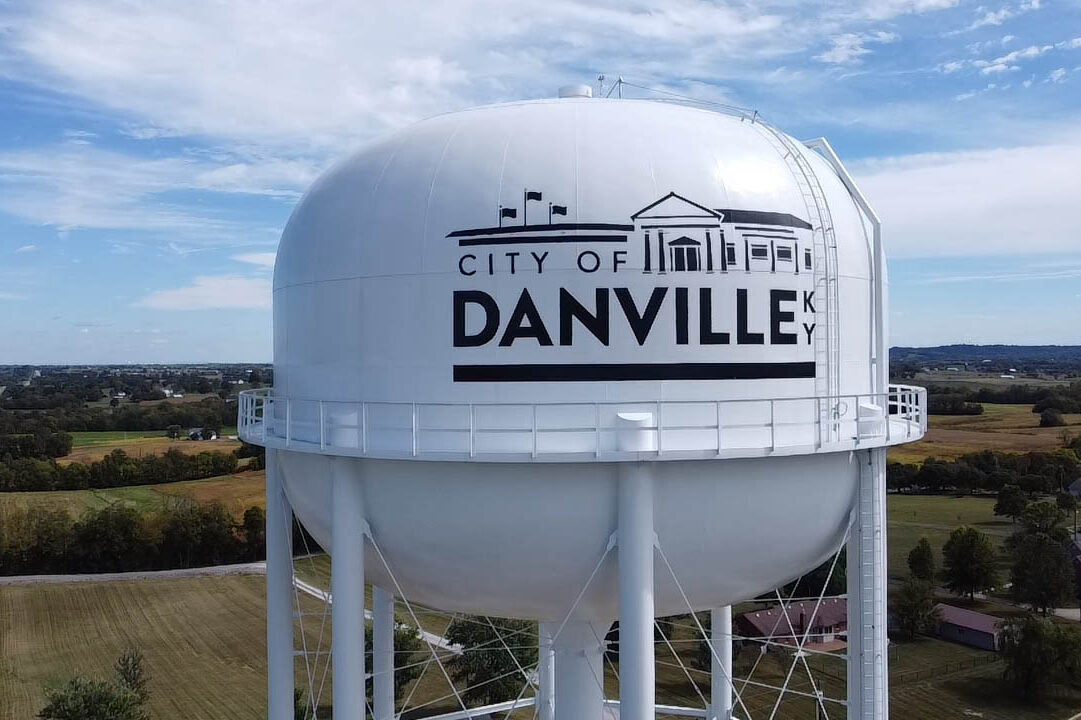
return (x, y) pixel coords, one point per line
(635, 538)
(579, 671)
(347, 588)
(721, 672)
(867, 641)
(545, 671)
(382, 653)
(279, 594)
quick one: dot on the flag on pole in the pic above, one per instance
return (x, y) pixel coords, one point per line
(559, 210)
(532, 195)
(508, 213)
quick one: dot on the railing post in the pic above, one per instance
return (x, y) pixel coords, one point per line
(364, 427)
(414, 407)
(718, 406)
(660, 428)
(322, 428)
(288, 421)
(472, 431)
(597, 427)
(818, 423)
(772, 427)
(534, 429)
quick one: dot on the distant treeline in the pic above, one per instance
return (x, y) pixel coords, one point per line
(40, 445)
(118, 539)
(989, 471)
(951, 400)
(117, 469)
(209, 412)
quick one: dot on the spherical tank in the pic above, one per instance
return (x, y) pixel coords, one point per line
(482, 316)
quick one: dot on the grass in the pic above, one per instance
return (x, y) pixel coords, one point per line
(910, 517)
(237, 492)
(1008, 428)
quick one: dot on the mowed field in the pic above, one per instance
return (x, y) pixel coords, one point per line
(204, 643)
(1008, 428)
(237, 492)
(910, 517)
(91, 446)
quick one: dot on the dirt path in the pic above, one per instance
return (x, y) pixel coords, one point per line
(256, 568)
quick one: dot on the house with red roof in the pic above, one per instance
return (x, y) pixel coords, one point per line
(967, 627)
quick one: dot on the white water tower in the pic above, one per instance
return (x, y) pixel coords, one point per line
(579, 360)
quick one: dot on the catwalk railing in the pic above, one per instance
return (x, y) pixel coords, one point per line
(505, 432)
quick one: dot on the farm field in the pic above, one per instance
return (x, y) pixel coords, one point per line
(91, 446)
(1008, 428)
(204, 642)
(237, 492)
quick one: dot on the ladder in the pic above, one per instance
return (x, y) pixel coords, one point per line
(827, 346)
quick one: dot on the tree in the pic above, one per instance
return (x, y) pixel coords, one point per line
(409, 650)
(1066, 502)
(921, 561)
(491, 674)
(82, 699)
(173, 431)
(1052, 417)
(1041, 574)
(1039, 654)
(969, 562)
(915, 607)
(1011, 502)
(131, 674)
(253, 528)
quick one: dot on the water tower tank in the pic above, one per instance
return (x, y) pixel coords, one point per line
(524, 347)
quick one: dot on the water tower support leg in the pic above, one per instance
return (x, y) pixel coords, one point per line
(382, 653)
(721, 669)
(279, 594)
(347, 588)
(867, 640)
(579, 671)
(546, 671)
(636, 542)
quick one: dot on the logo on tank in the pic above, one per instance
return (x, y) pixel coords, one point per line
(734, 280)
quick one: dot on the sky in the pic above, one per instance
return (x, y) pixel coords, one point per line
(151, 152)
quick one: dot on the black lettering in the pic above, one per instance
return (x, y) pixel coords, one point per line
(681, 316)
(778, 316)
(525, 310)
(808, 306)
(742, 336)
(570, 309)
(809, 329)
(540, 260)
(461, 262)
(641, 324)
(491, 318)
(491, 266)
(596, 261)
(512, 255)
(618, 258)
(706, 336)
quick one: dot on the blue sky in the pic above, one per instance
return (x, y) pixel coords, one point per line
(150, 152)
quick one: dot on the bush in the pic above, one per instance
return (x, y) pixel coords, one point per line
(1052, 417)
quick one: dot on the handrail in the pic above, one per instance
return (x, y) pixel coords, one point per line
(582, 431)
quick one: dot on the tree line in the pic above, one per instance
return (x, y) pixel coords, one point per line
(40, 445)
(988, 471)
(214, 412)
(117, 538)
(117, 469)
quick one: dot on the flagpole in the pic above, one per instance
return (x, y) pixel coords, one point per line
(525, 207)
(500, 216)
(549, 213)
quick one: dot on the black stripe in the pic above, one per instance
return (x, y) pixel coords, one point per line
(632, 371)
(695, 225)
(765, 229)
(759, 217)
(541, 228)
(467, 242)
(771, 237)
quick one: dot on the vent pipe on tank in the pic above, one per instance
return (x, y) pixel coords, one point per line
(576, 91)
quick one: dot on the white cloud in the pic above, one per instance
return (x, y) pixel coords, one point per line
(265, 260)
(26, 249)
(1007, 39)
(847, 48)
(1030, 52)
(988, 202)
(989, 17)
(952, 66)
(212, 292)
(1057, 75)
(998, 68)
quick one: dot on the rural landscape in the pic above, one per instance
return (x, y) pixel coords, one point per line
(105, 474)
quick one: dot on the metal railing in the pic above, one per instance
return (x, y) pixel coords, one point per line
(583, 431)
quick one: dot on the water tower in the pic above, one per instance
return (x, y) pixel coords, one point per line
(579, 360)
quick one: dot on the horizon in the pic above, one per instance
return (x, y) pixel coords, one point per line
(142, 196)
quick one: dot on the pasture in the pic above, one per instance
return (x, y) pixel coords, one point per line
(237, 492)
(1007, 428)
(89, 447)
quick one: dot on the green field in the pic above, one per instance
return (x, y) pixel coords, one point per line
(237, 492)
(911, 517)
(119, 437)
